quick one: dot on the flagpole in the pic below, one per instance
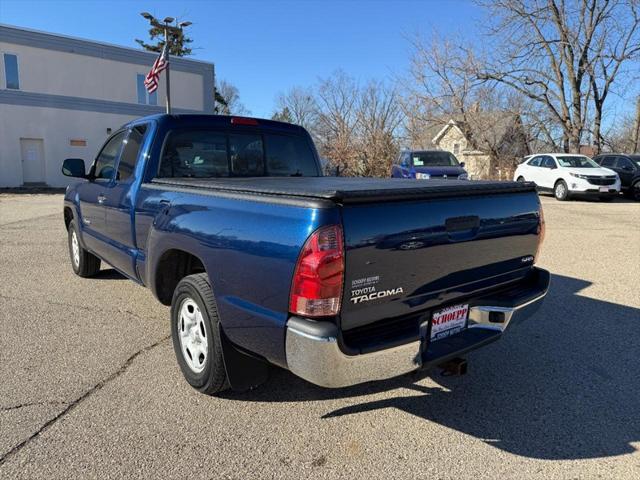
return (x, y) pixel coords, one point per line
(168, 76)
(168, 29)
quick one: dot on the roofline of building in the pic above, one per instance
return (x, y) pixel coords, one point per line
(92, 48)
(443, 130)
(106, 51)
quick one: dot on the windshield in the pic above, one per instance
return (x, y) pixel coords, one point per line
(433, 159)
(577, 162)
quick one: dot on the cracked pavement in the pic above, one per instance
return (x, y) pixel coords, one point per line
(90, 388)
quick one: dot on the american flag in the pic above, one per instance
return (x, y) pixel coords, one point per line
(153, 77)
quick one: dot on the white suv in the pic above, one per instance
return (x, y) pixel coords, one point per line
(567, 175)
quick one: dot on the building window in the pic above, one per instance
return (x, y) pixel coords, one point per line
(11, 71)
(144, 97)
(456, 148)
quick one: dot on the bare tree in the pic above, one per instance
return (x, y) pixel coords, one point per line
(379, 117)
(336, 130)
(300, 106)
(232, 104)
(635, 145)
(616, 45)
(547, 50)
(622, 136)
(444, 88)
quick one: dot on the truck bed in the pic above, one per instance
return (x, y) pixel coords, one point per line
(349, 190)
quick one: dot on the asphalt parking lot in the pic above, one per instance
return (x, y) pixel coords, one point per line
(90, 387)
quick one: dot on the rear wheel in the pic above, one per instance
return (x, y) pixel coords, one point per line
(561, 191)
(196, 334)
(635, 191)
(520, 179)
(84, 264)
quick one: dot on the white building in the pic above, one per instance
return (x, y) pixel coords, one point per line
(60, 97)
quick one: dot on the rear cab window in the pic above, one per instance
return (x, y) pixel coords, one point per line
(212, 153)
(289, 156)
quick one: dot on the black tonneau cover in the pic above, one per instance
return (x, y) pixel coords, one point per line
(349, 190)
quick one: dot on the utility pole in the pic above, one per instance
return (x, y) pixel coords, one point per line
(167, 70)
(636, 130)
(168, 29)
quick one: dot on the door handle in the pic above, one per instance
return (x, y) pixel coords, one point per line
(101, 198)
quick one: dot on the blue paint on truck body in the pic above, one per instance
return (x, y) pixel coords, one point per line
(248, 232)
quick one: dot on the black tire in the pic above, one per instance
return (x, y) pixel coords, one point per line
(212, 378)
(606, 198)
(85, 264)
(635, 191)
(520, 179)
(561, 191)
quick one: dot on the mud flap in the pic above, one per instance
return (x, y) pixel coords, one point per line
(244, 372)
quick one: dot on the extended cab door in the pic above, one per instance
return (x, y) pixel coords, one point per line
(118, 202)
(92, 194)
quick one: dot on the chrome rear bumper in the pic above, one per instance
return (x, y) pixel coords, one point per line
(313, 350)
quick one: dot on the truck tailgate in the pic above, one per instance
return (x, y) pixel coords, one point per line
(405, 257)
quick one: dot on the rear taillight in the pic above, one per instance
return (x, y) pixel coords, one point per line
(542, 230)
(316, 289)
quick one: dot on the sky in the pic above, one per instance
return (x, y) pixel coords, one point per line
(264, 47)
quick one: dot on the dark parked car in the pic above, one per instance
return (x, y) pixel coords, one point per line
(628, 169)
(426, 164)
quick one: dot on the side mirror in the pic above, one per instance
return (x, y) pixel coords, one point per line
(331, 171)
(462, 164)
(74, 167)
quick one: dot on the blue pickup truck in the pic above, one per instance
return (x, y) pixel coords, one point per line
(266, 262)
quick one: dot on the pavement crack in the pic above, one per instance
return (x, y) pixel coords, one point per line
(29, 219)
(31, 404)
(70, 406)
(86, 307)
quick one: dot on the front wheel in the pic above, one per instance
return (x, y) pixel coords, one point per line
(196, 335)
(520, 179)
(635, 191)
(84, 263)
(561, 191)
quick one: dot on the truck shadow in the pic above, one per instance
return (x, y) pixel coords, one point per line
(563, 385)
(108, 274)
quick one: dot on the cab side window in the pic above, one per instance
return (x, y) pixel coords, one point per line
(103, 168)
(624, 163)
(130, 152)
(606, 161)
(535, 161)
(549, 162)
